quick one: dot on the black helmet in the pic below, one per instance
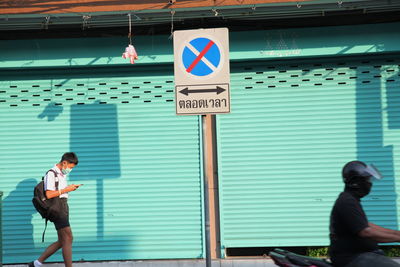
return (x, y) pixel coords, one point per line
(358, 171)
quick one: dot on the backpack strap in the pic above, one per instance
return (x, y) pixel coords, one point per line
(56, 184)
(45, 227)
(55, 175)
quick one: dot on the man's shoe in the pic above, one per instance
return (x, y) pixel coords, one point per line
(31, 264)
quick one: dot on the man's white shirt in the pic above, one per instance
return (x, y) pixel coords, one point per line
(50, 181)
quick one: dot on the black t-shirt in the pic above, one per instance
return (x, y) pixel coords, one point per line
(347, 220)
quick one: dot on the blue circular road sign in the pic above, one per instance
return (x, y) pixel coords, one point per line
(201, 57)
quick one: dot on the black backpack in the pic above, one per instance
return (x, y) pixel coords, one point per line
(49, 209)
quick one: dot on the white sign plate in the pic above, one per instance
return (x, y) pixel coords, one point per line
(202, 99)
(202, 73)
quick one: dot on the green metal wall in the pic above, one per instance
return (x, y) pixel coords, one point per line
(293, 125)
(292, 122)
(140, 163)
(243, 45)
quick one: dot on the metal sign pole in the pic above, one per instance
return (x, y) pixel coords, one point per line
(211, 205)
(206, 156)
(202, 87)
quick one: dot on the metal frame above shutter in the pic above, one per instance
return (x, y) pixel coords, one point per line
(293, 125)
(141, 165)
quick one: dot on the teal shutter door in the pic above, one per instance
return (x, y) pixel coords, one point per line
(140, 163)
(293, 125)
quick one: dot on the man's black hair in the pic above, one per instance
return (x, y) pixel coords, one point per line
(71, 157)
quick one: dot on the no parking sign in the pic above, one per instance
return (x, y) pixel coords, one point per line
(202, 75)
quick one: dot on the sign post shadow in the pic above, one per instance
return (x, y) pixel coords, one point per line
(94, 138)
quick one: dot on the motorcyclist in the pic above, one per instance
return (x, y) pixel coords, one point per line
(354, 240)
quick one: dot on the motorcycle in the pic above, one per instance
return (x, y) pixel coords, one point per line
(286, 258)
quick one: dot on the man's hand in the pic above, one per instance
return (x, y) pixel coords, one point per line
(71, 187)
(52, 194)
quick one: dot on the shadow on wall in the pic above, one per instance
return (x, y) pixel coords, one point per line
(17, 219)
(370, 148)
(51, 111)
(94, 138)
(20, 245)
(393, 100)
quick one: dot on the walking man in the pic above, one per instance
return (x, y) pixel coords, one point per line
(59, 174)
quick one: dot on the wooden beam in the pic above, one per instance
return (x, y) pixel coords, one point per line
(90, 6)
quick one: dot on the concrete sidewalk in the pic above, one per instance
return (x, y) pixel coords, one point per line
(258, 262)
(168, 263)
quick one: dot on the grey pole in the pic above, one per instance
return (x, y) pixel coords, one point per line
(206, 196)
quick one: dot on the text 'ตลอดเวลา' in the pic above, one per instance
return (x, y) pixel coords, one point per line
(202, 103)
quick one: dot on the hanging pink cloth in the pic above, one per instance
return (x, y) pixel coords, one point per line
(130, 52)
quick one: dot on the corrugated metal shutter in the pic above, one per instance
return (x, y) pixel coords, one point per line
(140, 163)
(293, 126)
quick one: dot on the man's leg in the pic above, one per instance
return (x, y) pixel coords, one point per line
(50, 250)
(65, 239)
(371, 259)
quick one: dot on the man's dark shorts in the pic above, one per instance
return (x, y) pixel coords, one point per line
(63, 220)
